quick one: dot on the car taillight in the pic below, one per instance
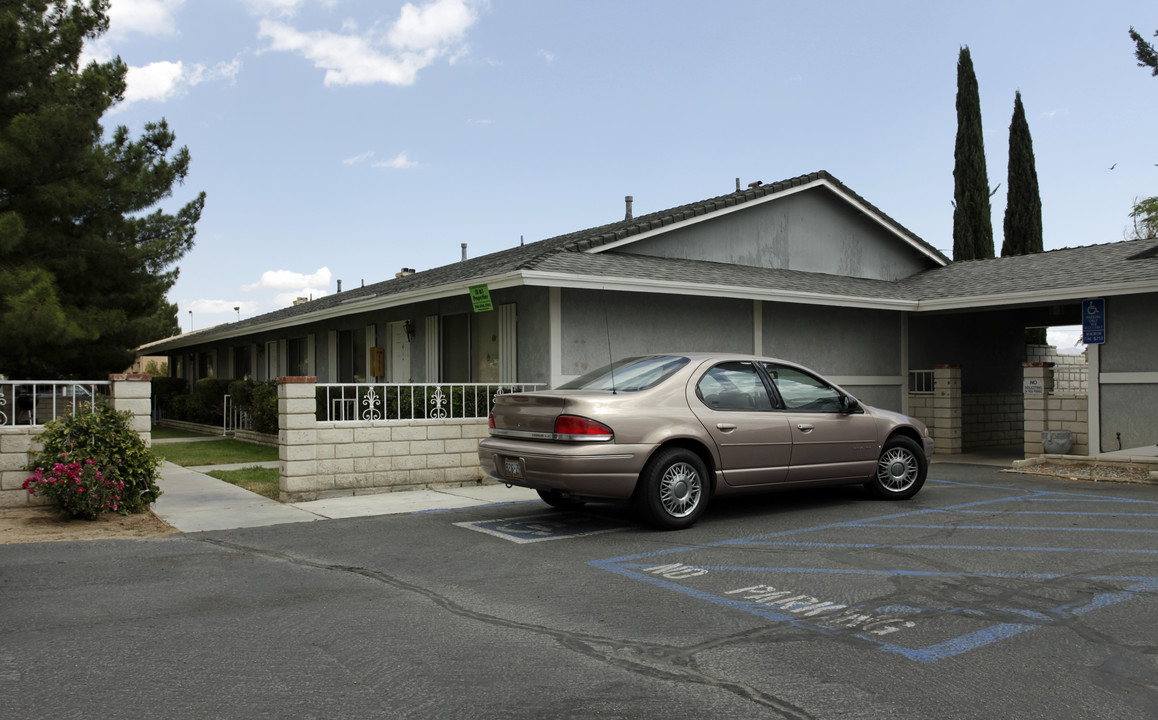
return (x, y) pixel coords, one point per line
(491, 421)
(573, 427)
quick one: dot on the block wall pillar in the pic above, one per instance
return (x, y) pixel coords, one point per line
(1037, 386)
(134, 392)
(297, 435)
(947, 424)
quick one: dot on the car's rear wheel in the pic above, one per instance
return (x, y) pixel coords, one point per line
(673, 489)
(558, 500)
(901, 470)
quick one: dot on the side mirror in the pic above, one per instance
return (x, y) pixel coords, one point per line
(849, 404)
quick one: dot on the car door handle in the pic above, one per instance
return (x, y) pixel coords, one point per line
(804, 428)
(725, 427)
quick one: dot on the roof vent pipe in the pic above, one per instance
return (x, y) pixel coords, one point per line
(737, 184)
(339, 286)
(464, 252)
(628, 199)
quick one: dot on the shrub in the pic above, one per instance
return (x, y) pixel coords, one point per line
(78, 489)
(106, 437)
(262, 407)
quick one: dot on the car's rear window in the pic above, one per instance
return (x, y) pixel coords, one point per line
(629, 374)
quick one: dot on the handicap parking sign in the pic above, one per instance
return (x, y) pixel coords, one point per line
(1094, 321)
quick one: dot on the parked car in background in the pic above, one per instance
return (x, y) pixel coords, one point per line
(668, 432)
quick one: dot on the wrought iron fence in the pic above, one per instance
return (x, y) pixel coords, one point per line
(921, 382)
(403, 401)
(31, 403)
(233, 418)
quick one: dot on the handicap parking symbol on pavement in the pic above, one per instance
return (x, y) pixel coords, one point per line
(538, 528)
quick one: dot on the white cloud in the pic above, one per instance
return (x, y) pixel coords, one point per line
(284, 8)
(164, 80)
(147, 17)
(419, 36)
(400, 162)
(1067, 339)
(431, 26)
(547, 55)
(358, 158)
(287, 280)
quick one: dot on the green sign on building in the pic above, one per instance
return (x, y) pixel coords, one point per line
(480, 296)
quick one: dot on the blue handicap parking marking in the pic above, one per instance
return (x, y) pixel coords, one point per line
(928, 584)
(537, 528)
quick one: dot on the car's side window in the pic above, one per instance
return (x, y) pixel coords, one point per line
(734, 386)
(801, 391)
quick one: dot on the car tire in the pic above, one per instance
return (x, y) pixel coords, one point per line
(900, 470)
(673, 489)
(559, 501)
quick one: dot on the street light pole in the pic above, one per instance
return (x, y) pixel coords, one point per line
(190, 321)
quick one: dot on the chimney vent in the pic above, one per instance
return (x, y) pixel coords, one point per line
(464, 252)
(628, 199)
(339, 286)
(737, 184)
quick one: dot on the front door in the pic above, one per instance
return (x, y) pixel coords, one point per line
(399, 353)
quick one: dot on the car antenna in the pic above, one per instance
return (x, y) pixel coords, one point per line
(610, 356)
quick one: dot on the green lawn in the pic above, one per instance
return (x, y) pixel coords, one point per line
(167, 433)
(262, 481)
(218, 452)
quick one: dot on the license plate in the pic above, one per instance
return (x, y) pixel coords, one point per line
(512, 468)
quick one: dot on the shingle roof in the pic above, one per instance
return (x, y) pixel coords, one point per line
(567, 254)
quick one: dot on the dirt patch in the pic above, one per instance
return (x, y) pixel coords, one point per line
(42, 524)
(1095, 472)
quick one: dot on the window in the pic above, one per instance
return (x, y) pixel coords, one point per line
(734, 386)
(629, 374)
(297, 357)
(802, 391)
(241, 362)
(352, 356)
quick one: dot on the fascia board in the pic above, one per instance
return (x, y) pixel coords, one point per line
(592, 282)
(1038, 296)
(368, 304)
(820, 182)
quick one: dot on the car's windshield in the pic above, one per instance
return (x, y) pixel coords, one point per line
(629, 374)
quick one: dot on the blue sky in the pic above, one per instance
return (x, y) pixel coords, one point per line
(346, 139)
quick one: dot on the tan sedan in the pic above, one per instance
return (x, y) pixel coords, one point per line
(670, 431)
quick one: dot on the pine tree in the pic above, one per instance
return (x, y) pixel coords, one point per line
(83, 269)
(972, 224)
(1023, 233)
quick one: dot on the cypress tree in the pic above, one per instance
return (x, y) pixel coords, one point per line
(972, 225)
(1023, 234)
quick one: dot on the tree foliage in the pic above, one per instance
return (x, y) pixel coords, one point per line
(84, 264)
(1144, 51)
(972, 224)
(1022, 226)
(1145, 212)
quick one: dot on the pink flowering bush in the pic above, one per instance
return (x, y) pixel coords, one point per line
(76, 488)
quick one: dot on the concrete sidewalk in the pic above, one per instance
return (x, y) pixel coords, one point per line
(191, 501)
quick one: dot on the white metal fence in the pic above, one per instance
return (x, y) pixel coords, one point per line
(921, 382)
(233, 418)
(31, 403)
(401, 401)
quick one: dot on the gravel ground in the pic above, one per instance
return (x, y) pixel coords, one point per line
(1097, 472)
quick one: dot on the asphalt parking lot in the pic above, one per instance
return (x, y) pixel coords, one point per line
(988, 595)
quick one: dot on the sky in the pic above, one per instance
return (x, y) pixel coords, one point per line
(343, 140)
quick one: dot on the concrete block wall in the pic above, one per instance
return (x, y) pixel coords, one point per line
(19, 444)
(1053, 410)
(992, 420)
(946, 412)
(327, 459)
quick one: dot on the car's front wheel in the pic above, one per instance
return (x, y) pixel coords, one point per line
(673, 489)
(901, 470)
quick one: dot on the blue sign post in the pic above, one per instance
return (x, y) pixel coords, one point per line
(1094, 321)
